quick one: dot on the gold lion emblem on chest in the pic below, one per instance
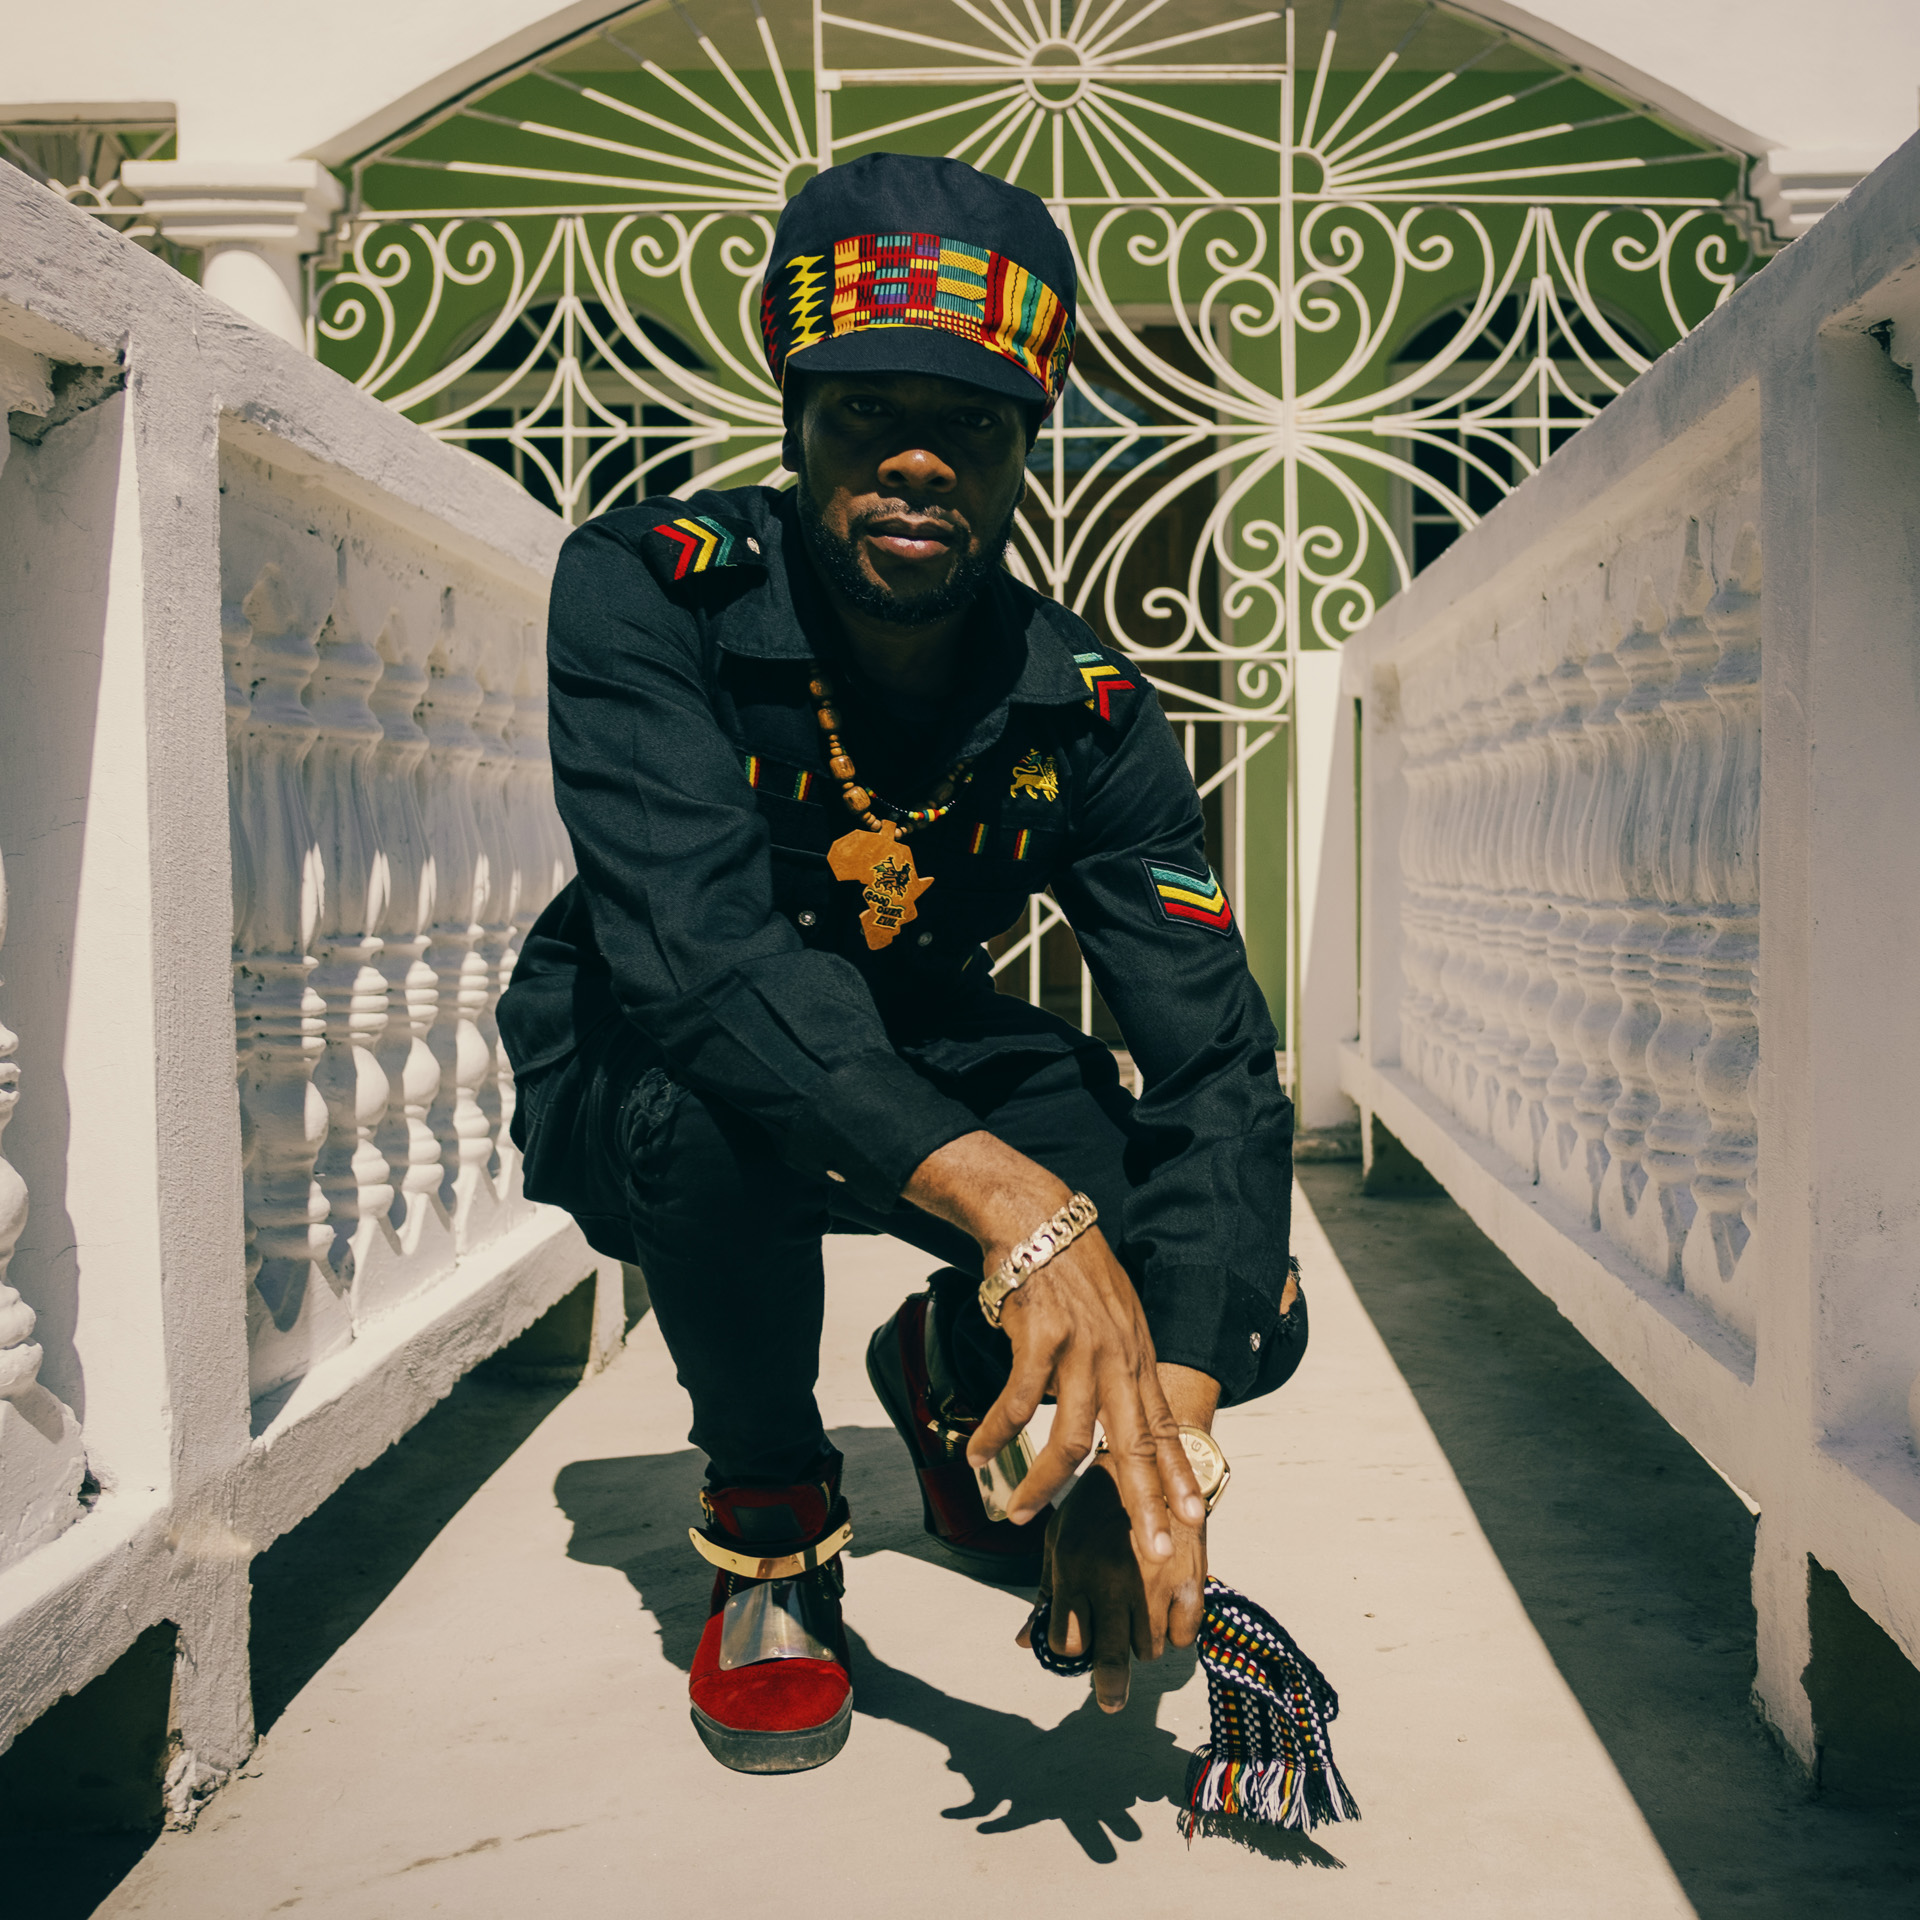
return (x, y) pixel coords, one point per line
(1036, 774)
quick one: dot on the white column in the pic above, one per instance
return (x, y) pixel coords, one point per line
(250, 221)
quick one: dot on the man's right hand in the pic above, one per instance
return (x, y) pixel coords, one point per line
(1078, 1332)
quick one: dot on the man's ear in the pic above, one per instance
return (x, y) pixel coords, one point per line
(793, 407)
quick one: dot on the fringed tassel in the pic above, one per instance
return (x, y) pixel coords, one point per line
(1274, 1792)
(1269, 1766)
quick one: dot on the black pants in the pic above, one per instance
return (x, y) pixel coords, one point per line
(728, 1234)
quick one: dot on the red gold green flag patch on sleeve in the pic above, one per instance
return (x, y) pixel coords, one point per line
(1197, 898)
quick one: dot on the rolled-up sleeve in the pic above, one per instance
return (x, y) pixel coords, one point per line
(1207, 1229)
(674, 866)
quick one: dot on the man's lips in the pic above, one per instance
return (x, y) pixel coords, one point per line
(909, 539)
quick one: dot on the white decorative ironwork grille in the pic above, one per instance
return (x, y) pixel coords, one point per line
(80, 160)
(1348, 273)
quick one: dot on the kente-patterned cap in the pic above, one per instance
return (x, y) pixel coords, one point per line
(896, 263)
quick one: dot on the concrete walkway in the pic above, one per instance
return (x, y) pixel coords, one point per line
(507, 1734)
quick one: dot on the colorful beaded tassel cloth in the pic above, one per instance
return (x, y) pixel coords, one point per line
(1269, 1760)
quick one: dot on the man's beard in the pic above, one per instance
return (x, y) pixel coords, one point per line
(838, 561)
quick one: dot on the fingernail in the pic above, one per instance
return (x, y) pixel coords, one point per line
(1162, 1545)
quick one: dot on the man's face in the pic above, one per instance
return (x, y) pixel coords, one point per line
(908, 487)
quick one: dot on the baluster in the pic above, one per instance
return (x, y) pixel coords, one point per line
(1536, 936)
(405, 1135)
(1506, 1038)
(287, 1018)
(1726, 1163)
(1451, 1013)
(1563, 1164)
(453, 752)
(351, 1170)
(1418, 963)
(1415, 829)
(496, 899)
(1650, 671)
(1675, 1134)
(1483, 974)
(1601, 886)
(1522, 751)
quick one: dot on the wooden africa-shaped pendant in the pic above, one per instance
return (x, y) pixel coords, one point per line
(883, 865)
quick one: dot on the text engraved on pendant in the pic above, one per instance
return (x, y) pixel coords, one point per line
(883, 865)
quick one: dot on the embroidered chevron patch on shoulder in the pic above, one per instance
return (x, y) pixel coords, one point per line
(1197, 898)
(1103, 680)
(699, 543)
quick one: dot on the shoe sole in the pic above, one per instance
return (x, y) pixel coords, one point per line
(755, 1751)
(1004, 1572)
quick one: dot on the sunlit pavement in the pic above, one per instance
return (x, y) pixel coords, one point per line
(507, 1733)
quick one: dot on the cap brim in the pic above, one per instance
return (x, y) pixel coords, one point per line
(919, 350)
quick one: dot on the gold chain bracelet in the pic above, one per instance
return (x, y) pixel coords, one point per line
(1034, 1252)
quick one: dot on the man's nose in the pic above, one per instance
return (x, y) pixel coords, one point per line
(916, 470)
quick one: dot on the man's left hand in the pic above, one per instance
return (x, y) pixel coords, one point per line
(1108, 1598)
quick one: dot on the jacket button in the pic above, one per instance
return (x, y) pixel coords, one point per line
(807, 918)
(1253, 1340)
(842, 1178)
(925, 940)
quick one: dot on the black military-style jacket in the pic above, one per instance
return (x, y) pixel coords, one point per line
(690, 770)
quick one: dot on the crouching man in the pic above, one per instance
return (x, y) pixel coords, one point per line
(813, 749)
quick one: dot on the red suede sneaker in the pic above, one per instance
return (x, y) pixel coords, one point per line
(770, 1687)
(936, 1429)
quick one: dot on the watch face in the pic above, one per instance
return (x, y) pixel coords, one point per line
(1209, 1463)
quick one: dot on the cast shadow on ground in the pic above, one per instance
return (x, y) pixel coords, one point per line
(1096, 1774)
(1631, 1555)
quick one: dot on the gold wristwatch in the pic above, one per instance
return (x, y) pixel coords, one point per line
(1208, 1462)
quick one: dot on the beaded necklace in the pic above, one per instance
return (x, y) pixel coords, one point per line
(875, 853)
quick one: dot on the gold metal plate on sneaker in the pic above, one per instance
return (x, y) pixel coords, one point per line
(781, 1566)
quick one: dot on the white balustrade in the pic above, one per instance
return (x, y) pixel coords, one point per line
(1677, 659)
(374, 797)
(260, 1210)
(1557, 1007)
